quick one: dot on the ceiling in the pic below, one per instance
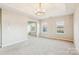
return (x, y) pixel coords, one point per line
(52, 9)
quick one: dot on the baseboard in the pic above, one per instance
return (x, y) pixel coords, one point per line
(57, 39)
(3, 46)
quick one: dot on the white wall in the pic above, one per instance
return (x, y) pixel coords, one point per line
(51, 25)
(0, 27)
(14, 27)
(76, 29)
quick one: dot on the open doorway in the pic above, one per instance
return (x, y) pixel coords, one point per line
(32, 28)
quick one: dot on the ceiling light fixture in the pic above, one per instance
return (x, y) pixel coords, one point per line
(40, 11)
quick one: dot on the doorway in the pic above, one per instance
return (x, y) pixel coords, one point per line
(32, 28)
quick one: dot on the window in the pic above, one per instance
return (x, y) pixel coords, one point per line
(60, 26)
(44, 27)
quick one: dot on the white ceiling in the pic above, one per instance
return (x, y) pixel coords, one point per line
(52, 9)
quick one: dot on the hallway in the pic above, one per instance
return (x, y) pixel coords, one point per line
(40, 46)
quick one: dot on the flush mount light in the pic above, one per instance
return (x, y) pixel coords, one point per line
(40, 11)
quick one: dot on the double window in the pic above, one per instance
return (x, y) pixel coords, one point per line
(60, 27)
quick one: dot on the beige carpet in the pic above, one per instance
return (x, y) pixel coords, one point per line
(40, 46)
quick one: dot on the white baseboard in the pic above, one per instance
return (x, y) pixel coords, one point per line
(12, 43)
